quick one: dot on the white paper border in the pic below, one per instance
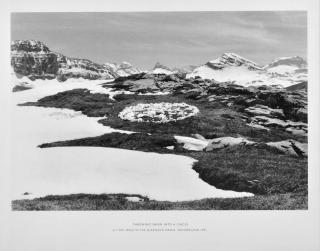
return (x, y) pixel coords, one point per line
(227, 230)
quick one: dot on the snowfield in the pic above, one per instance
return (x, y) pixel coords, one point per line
(38, 172)
(283, 69)
(42, 88)
(162, 71)
(158, 112)
(241, 76)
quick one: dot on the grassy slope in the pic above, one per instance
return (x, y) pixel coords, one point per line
(286, 201)
(92, 105)
(214, 120)
(253, 169)
(135, 141)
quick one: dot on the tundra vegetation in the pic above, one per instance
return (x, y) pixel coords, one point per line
(250, 139)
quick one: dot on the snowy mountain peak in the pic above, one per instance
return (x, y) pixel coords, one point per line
(123, 69)
(159, 65)
(295, 61)
(232, 59)
(125, 65)
(162, 69)
(288, 66)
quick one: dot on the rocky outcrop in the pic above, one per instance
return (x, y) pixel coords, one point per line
(199, 143)
(291, 147)
(21, 87)
(263, 107)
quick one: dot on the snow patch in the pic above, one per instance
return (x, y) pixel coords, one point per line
(134, 198)
(192, 144)
(162, 71)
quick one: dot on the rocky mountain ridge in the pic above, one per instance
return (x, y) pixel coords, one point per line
(232, 59)
(35, 60)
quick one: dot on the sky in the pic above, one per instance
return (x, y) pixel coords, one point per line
(171, 38)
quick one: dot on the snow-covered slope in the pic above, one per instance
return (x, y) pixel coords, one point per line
(234, 68)
(229, 67)
(294, 68)
(292, 63)
(38, 172)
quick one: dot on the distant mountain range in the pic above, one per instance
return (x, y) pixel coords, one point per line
(35, 60)
(162, 69)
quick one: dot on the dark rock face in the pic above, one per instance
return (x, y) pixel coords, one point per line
(293, 104)
(21, 87)
(77, 68)
(35, 60)
(29, 46)
(232, 59)
(228, 89)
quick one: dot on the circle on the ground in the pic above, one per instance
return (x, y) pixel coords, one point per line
(158, 112)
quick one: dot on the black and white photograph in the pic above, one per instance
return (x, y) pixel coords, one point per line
(160, 111)
(193, 125)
